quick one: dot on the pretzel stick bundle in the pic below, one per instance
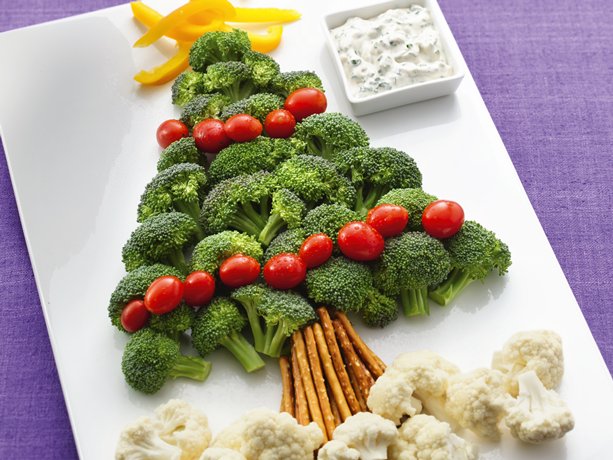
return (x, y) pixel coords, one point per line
(363, 378)
(337, 360)
(318, 380)
(307, 382)
(287, 399)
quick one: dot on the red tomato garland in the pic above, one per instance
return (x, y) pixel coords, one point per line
(306, 101)
(134, 316)
(316, 250)
(285, 271)
(164, 295)
(239, 270)
(170, 131)
(280, 123)
(388, 219)
(243, 127)
(442, 218)
(199, 288)
(210, 136)
(359, 241)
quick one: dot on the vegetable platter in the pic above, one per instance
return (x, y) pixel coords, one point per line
(91, 159)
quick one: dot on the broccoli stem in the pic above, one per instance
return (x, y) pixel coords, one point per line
(253, 215)
(455, 283)
(373, 196)
(177, 259)
(256, 326)
(275, 339)
(244, 224)
(243, 351)
(414, 302)
(191, 367)
(191, 208)
(271, 229)
(359, 202)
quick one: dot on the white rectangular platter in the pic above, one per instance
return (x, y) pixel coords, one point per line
(79, 139)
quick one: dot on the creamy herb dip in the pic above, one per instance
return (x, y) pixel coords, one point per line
(398, 48)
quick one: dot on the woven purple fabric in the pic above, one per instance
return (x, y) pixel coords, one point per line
(544, 69)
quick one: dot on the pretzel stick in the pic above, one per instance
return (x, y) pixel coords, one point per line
(363, 377)
(302, 409)
(318, 380)
(307, 382)
(372, 361)
(354, 382)
(287, 400)
(334, 407)
(337, 361)
(338, 397)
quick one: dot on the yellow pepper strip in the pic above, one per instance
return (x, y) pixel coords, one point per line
(167, 71)
(265, 15)
(186, 32)
(224, 9)
(263, 43)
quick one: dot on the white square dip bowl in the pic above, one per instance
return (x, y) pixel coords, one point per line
(405, 94)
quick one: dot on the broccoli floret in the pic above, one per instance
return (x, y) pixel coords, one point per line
(379, 310)
(186, 87)
(315, 180)
(287, 212)
(375, 171)
(328, 219)
(261, 154)
(209, 253)
(202, 107)
(151, 358)
(133, 286)
(328, 133)
(409, 265)
(220, 324)
(475, 252)
(174, 322)
(215, 47)
(178, 188)
(284, 312)
(414, 200)
(232, 79)
(287, 241)
(161, 238)
(182, 151)
(286, 83)
(263, 68)
(259, 105)
(340, 283)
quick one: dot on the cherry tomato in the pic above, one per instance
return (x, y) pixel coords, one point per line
(388, 219)
(360, 241)
(134, 316)
(164, 295)
(239, 270)
(243, 127)
(442, 218)
(306, 101)
(199, 288)
(316, 250)
(210, 136)
(285, 271)
(280, 123)
(170, 131)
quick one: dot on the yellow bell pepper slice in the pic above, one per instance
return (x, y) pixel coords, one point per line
(223, 8)
(265, 15)
(167, 71)
(263, 43)
(186, 32)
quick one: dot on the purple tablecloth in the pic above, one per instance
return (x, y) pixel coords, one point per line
(545, 71)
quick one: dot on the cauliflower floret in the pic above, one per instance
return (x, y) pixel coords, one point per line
(423, 437)
(428, 373)
(337, 450)
(539, 414)
(369, 434)
(413, 381)
(185, 427)
(391, 397)
(478, 401)
(539, 351)
(263, 434)
(221, 453)
(141, 441)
